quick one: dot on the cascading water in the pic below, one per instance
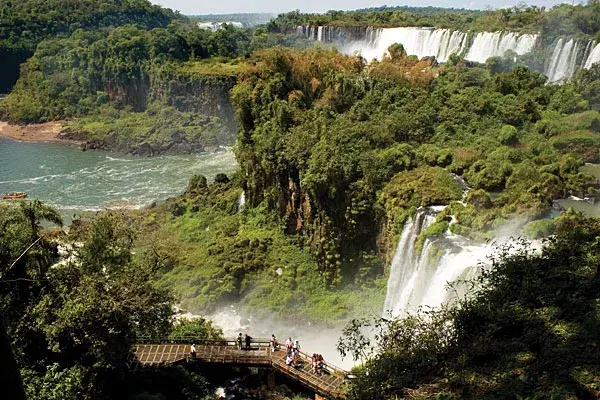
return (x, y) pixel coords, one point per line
(425, 42)
(496, 44)
(563, 62)
(403, 261)
(422, 42)
(242, 201)
(420, 280)
(564, 58)
(594, 56)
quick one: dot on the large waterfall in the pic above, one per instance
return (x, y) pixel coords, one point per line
(421, 279)
(559, 60)
(423, 42)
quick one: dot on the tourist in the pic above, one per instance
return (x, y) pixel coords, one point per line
(321, 364)
(239, 341)
(289, 343)
(193, 351)
(314, 363)
(289, 360)
(296, 348)
(274, 343)
(248, 338)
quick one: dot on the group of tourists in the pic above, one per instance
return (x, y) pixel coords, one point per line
(317, 364)
(292, 351)
(243, 343)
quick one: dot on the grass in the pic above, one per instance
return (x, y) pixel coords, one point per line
(210, 67)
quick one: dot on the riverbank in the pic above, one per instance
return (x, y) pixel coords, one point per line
(49, 132)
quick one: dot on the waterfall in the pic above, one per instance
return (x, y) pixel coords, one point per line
(594, 56)
(401, 269)
(563, 62)
(422, 42)
(420, 279)
(496, 44)
(242, 201)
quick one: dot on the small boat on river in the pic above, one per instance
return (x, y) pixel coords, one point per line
(14, 195)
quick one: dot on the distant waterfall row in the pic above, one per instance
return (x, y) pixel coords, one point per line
(421, 279)
(559, 62)
(422, 42)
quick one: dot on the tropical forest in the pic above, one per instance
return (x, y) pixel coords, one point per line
(410, 195)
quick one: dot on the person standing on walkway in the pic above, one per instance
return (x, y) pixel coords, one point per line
(193, 351)
(248, 339)
(239, 341)
(289, 344)
(274, 343)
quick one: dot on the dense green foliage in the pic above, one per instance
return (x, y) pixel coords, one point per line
(71, 324)
(527, 329)
(139, 90)
(334, 156)
(73, 76)
(25, 23)
(344, 153)
(127, 75)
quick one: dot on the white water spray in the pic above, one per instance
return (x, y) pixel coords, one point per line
(422, 42)
(431, 42)
(496, 44)
(421, 280)
(563, 62)
(564, 58)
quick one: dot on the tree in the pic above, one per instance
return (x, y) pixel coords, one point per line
(72, 325)
(526, 328)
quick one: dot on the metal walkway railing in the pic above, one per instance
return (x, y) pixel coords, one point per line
(167, 351)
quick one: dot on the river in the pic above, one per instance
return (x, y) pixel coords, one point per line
(75, 181)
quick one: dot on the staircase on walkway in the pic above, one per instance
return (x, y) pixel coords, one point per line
(169, 352)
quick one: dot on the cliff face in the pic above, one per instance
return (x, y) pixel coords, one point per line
(171, 113)
(205, 94)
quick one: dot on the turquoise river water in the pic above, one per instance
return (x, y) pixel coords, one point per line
(75, 181)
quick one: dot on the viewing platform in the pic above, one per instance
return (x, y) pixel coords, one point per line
(170, 352)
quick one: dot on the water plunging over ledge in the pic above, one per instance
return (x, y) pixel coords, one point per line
(560, 60)
(421, 279)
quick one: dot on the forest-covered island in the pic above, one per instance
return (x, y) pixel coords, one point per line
(335, 154)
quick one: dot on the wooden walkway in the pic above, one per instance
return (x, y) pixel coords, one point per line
(226, 352)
